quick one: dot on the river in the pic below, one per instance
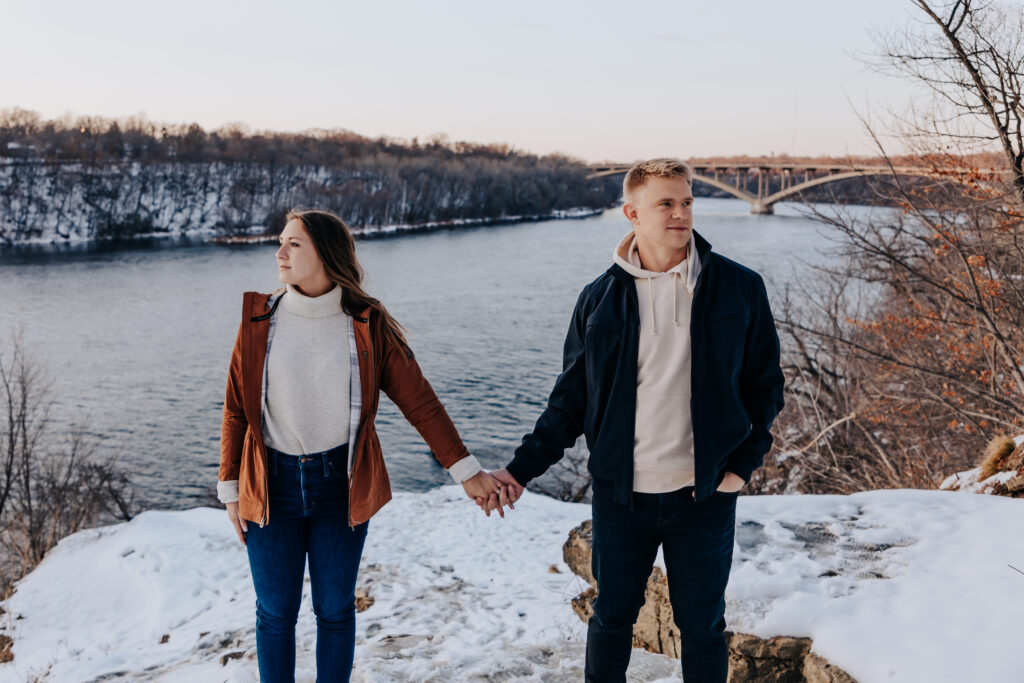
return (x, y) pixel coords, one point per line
(136, 338)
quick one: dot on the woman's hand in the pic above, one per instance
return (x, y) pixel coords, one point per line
(241, 526)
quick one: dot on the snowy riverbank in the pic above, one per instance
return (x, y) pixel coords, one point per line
(891, 585)
(375, 231)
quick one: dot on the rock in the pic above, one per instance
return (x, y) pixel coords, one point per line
(363, 599)
(1001, 472)
(818, 670)
(6, 655)
(576, 551)
(231, 655)
(781, 659)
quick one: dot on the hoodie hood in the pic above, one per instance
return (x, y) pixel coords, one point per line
(627, 257)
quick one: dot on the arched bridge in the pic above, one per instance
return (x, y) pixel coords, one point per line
(793, 178)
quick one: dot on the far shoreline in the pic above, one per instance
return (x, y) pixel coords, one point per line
(370, 232)
(380, 231)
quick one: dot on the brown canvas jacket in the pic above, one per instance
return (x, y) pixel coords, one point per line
(243, 455)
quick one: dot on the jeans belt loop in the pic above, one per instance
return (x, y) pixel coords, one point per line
(273, 461)
(327, 469)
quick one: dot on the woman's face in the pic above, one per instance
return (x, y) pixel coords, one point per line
(298, 263)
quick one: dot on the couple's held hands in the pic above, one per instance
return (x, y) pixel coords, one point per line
(482, 488)
(493, 491)
(511, 491)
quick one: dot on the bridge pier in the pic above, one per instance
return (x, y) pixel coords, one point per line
(757, 207)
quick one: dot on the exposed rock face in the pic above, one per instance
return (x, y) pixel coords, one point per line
(998, 476)
(780, 659)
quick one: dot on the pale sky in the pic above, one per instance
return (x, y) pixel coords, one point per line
(595, 80)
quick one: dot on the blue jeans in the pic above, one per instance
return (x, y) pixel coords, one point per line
(309, 516)
(696, 540)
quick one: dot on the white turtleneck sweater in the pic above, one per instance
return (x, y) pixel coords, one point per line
(308, 373)
(663, 442)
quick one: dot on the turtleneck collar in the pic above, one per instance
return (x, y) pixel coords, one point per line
(327, 304)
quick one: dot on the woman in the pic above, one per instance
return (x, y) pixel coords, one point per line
(301, 470)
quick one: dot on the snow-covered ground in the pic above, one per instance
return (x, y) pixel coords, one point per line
(891, 585)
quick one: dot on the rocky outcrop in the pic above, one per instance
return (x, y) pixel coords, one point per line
(1001, 472)
(781, 659)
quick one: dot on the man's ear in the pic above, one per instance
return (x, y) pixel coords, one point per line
(630, 212)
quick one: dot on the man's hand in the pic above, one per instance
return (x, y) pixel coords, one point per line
(241, 526)
(480, 487)
(515, 489)
(731, 483)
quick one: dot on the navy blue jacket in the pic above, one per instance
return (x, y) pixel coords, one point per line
(735, 392)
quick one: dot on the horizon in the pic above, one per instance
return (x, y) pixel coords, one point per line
(597, 85)
(70, 119)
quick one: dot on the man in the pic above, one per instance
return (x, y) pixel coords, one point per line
(671, 370)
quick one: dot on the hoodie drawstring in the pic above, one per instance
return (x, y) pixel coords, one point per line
(650, 298)
(675, 304)
(677, 280)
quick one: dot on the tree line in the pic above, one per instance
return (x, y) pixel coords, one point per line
(91, 177)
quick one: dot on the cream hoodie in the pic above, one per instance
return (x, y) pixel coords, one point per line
(663, 442)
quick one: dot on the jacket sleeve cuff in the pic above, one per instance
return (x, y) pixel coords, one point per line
(464, 469)
(742, 465)
(519, 471)
(227, 491)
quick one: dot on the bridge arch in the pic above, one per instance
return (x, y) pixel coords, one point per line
(726, 187)
(772, 199)
(765, 204)
(748, 197)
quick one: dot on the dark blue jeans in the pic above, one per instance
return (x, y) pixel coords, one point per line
(697, 540)
(308, 516)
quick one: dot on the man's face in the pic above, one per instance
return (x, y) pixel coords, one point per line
(662, 213)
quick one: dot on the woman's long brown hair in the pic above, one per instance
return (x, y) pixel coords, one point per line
(337, 251)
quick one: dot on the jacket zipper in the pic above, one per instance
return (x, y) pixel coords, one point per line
(693, 308)
(362, 430)
(263, 449)
(266, 488)
(633, 300)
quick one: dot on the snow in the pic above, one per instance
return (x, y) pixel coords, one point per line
(891, 586)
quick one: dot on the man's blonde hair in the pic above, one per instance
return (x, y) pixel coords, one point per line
(642, 171)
